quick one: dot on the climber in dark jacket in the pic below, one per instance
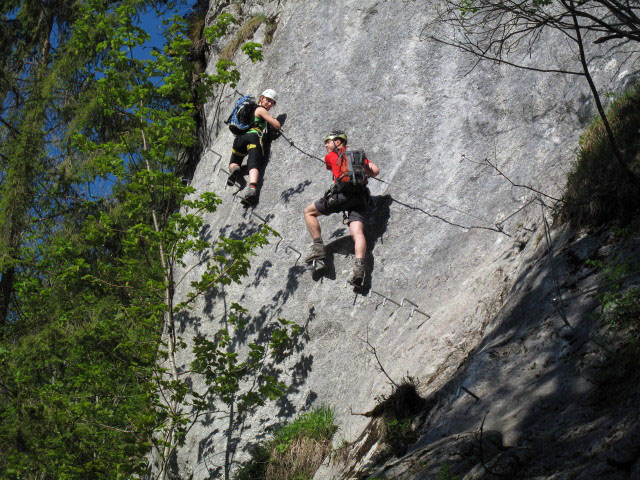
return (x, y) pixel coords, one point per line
(251, 144)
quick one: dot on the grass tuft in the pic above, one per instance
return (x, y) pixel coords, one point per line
(296, 450)
(244, 33)
(270, 29)
(597, 189)
(398, 411)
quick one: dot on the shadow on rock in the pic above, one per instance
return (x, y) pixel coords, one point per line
(287, 194)
(262, 272)
(572, 396)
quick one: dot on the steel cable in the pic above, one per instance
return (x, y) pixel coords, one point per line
(495, 227)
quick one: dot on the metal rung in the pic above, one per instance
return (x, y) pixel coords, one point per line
(278, 244)
(258, 216)
(346, 282)
(384, 298)
(209, 149)
(408, 301)
(287, 247)
(225, 184)
(213, 151)
(415, 309)
(233, 198)
(468, 392)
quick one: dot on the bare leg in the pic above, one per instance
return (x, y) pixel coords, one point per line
(357, 233)
(254, 175)
(234, 173)
(311, 215)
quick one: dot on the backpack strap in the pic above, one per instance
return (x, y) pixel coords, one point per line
(340, 155)
(258, 125)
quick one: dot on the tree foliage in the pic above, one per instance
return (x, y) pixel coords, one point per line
(95, 221)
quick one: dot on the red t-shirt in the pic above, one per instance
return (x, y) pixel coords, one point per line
(331, 162)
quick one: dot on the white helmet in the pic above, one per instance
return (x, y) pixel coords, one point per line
(269, 93)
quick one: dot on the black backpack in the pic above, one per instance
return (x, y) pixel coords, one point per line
(352, 168)
(241, 117)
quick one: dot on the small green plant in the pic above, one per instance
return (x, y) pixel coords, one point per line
(445, 474)
(468, 7)
(315, 425)
(594, 263)
(398, 434)
(296, 450)
(620, 303)
(629, 230)
(622, 308)
(256, 468)
(398, 411)
(270, 29)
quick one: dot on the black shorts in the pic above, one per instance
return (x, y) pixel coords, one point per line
(355, 205)
(248, 144)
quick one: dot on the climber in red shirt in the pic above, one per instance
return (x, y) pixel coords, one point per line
(348, 194)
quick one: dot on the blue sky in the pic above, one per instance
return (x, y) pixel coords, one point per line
(152, 24)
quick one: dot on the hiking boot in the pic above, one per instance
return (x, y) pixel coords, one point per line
(234, 176)
(357, 275)
(251, 197)
(317, 253)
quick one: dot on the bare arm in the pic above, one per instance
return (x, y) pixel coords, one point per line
(262, 113)
(372, 169)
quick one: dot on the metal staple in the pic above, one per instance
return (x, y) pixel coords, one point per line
(384, 298)
(499, 224)
(278, 244)
(399, 304)
(468, 392)
(209, 149)
(416, 309)
(288, 246)
(258, 216)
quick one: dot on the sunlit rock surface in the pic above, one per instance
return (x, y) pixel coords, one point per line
(461, 291)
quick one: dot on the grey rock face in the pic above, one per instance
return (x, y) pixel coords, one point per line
(455, 251)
